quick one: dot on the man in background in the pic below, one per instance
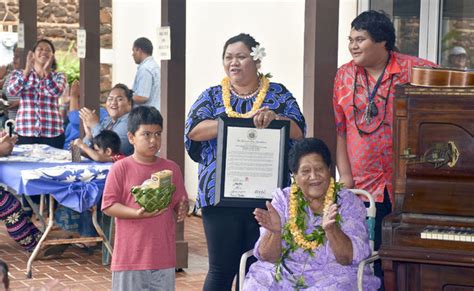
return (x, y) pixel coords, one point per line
(458, 58)
(146, 86)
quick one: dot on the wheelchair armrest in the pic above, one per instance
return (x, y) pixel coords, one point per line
(360, 271)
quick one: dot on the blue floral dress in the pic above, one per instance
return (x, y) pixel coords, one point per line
(210, 105)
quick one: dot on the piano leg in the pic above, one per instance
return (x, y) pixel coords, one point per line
(389, 275)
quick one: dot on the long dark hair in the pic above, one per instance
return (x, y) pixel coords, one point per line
(54, 65)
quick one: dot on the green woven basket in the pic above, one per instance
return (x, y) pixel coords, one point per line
(153, 199)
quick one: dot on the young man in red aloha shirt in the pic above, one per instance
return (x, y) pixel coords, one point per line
(363, 107)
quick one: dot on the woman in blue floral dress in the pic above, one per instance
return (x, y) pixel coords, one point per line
(244, 93)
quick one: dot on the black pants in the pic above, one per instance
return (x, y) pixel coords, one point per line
(56, 142)
(382, 210)
(229, 233)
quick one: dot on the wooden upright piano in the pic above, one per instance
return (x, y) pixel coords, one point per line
(428, 241)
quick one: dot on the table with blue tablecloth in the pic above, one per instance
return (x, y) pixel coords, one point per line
(38, 169)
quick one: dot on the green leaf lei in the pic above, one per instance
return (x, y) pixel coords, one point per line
(267, 75)
(317, 235)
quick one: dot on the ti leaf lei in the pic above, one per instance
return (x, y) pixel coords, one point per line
(299, 220)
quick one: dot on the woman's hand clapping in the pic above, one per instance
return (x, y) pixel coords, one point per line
(88, 117)
(47, 65)
(75, 90)
(42, 71)
(269, 219)
(30, 63)
(329, 218)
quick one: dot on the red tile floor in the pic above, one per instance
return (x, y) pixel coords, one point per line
(78, 270)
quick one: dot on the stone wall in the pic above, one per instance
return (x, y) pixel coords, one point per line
(58, 21)
(407, 35)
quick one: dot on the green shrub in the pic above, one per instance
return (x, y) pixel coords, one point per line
(69, 64)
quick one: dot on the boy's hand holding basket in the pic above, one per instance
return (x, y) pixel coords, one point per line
(155, 193)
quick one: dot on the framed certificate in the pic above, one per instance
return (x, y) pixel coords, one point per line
(251, 162)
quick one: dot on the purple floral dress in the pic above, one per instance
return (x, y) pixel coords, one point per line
(322, 271)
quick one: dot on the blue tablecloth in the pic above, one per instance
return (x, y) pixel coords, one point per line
(77, 186)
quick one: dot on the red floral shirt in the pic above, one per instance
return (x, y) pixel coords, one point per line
(370, 155)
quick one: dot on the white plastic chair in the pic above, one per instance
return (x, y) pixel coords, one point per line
(243, 263)
(371, 210)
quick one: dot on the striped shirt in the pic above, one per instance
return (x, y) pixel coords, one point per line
(38, 114)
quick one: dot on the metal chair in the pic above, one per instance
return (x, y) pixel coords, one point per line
(371, 210)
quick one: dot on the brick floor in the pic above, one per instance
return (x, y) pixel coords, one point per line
(77, 270)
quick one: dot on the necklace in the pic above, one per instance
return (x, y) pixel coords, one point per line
(356, 110)
(262, 92)
(247, 96)
(371, 109)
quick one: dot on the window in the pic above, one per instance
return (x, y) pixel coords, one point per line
(456, 45)
(405, 15)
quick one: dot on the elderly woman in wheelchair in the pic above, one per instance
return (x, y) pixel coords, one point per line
(313, 234)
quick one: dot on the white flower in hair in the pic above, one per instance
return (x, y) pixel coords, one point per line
(258, 53)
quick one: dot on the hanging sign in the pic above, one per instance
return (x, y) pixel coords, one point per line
(164, 43)
(81, 43)
(21, 35)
